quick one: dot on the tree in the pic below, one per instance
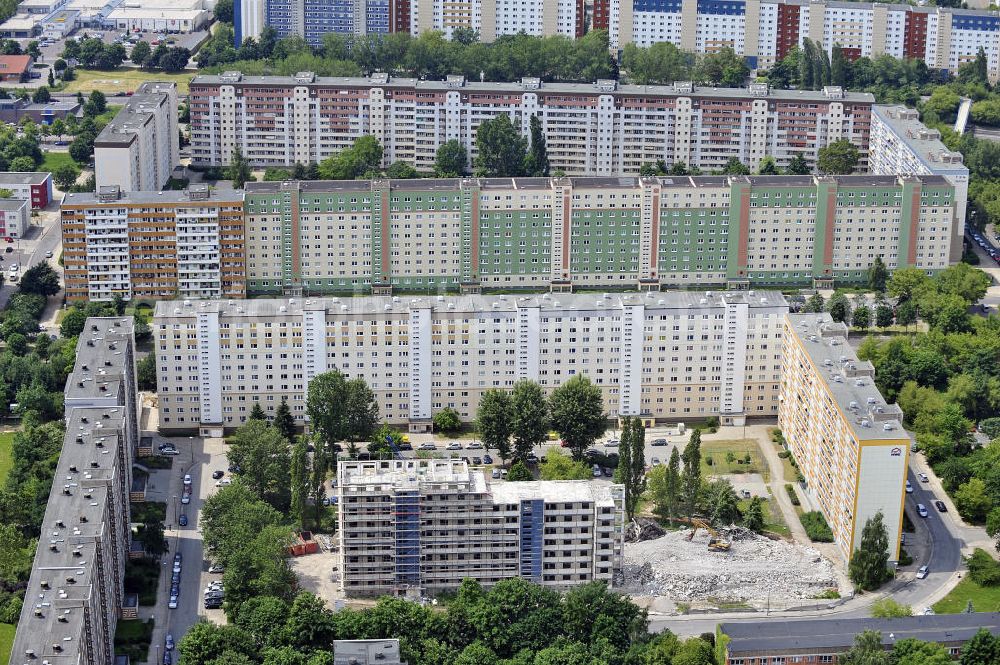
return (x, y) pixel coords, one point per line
(911, 651)
(205, 642)
(239, 169)
(868, 567)
(326, 407)
(256, 413)
(883, 315)
(174, 60)
(519, 472)
(361, 411)
(839, 308)
(363, 157)
(73, 323)
(451, 159)
(41, 279)
(142, 50)
(815, 304)
(262, 455)
(223, 11)
(623, 472)
(401, 171)
(982, 649)
(862, 317)
(145, 373)
(867, 650)
(530, 417)
(299, 481)
(721, 503)
(96, 104)
(691, 476)
(753, 518)
(878, 274)
(81, 149)
(798, 166)
(384, 439)
(537, 159)
(501, 148)
(907, 283)
(906, 313)
(768, 166)
(888, 608)
(837, 158)
(559, 466)
(495, 422)
(576, 411)
(65, 175)
(636, 470)
(735, 167)
(42, 95)
(972, 500)
(23, 163)
(150, 534)
(447, 420)
(283, 421)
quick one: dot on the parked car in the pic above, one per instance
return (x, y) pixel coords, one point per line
(454, 445)
(427, 446)
(495, 474)
(921, 510)
(909, 487)
(597, 471)
(655, 461)
(167, 658)
(532, 458)
(170, 642)
(607, 471)
(659, 442)
(170, 451)
(218, 473)
(923, 477)
(922, 572)
(477, 461)
(475, 445)
(940, 506)
(487, 459)
(216, 568)
(183, 520)
(48, 254)
(612, 443)
(172, 604)
(186, 499)
(405, 445)
(178, 557)
(187, 479)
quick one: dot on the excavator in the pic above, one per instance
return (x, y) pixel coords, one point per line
(716, 543)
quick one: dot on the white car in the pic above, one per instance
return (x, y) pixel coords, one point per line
(922, 572)
(475, 445)
(186, 499)
(216, 568)
(454, 445)
(909, 487)
(921, 510)
(612, 443)
(173, 603)
(923, 478)
(187, 479)
(427, 446)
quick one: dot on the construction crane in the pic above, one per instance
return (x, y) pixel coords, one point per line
(716, 542)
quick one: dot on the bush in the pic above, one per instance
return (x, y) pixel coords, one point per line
(447, 421)
(150, 511)
(983, 569)
(708, 460)
(784, 454)
(712, 423)
(816, 527)
(829, 594)
(778, 437)
(132, 639)
(11, 610)
(990, 427)
(792, 495)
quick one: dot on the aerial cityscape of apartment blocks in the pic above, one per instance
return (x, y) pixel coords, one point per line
(901, 144)
(140, 147)
(75, 593)
(415, 526)
(848, 442)
(311, 19)
(764, 31)
(601, 128)
(168, 244)
(682, 354)
(321, 237)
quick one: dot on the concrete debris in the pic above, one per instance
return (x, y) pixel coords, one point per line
(643, 528)
(755, 571)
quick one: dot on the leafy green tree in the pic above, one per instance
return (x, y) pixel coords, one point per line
(299, 481)
(576, 412)
(327, 408)
(635, 471)
(964, 281)
(537, 159)
(814, 304)
(42, 95)
(145, 372)
(694, 651)
(142, 51)
(321, 463)
(753, 518)
(768, 166)
(867, 650)
(839, 308)
(911, 651)
(261, 452)
(383, 440)
(658, 64)
(724, 67)
(65, 175)
(223, 11)
(42, 279)
(868, 568)
(451, 159)
(257, 413)
(501, 148)
(519, 472)
(205, 642)
(96, 104)
(721, 503)
(73, 323)
(982, 649)
(558, 466)
(238, 170)
(530, 422)
(310, 623)
(878, 275)
(735, 167)
(888, 608)
(906, 313)
(591, 612)
(401, 171)
(283, 421)
(495, 421)
(690, 488)
(361, 411)
(883, 315)
(862, 316)
(907, 283)
(364, 156)
(839, 157)
(447, 420)
(798, 166)
(150, 534)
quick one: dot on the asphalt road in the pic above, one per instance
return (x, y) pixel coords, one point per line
(39, 239)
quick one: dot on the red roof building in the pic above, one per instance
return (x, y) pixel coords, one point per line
(15, 68)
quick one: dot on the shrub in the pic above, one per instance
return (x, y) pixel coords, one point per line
(904, 557)
(784, 454)
(778, 437)
(712, 422)
(447, 421)
(829, 594)
(792, 495)
(816, 527)
(11, 610)
(708, 460)
(990, 427)
(983, 569)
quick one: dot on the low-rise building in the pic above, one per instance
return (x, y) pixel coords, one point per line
(75, 591)
(366, 652)
(160, 16)
(673, 355)
(139, 148)
(15, 68)
(12, 110)
(15, 215)
(61, 24)
(153, 245)
(413, 526)
(816, 641)
(849, 443)
(35, 187)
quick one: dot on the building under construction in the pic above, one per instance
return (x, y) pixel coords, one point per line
(423, 525)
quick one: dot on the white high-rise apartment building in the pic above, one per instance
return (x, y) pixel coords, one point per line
(138, 150)
(679, 355)
(422, 526)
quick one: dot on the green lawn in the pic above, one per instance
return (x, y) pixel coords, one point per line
(6, 642)
(984, 599)
(718, 451)
(53, 160)
(6, 441)
(123, 79)
(773, 521)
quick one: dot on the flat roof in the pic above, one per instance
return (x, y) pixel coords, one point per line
(528, 84)
(168, 196)
(139, 110)
(850, 381)
(791, 636)
(101, 353)
(925, 143)
(482, 304)
(24, 177)
(162, 12)
(21, 22)
(13, 204)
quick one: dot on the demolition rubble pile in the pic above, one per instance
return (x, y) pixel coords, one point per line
(755, 571)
